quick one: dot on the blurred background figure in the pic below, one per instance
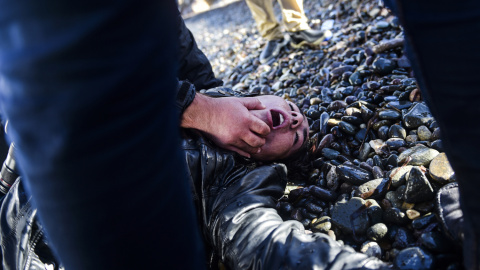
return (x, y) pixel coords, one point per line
(294, 20)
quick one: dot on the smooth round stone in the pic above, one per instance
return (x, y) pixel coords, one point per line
(314, 114)
(315, 101)
(353, 175)
(371, 249)
(375, 212)
(383, 132)
(342, 211)
(423, 221)
(355, 79)
(377, 232)
(400, 104)
(322, 224)
(352, 111)
(373, 186)
(413, 258)
(395, 216)
(419, 155)
(440, 169)
(382, 24)
(347, 127)
(395, 143)
(437, 145)
(352, 120)
(403, 238)
(330, 153)
(412, 214)
(389, 115)
(390, 98)
(418, 187)
(396, 131)
(364, 151)
(423, 133)
(411, 138)
(418, 115)
(383, 66)
(336, 105)
(381, 123)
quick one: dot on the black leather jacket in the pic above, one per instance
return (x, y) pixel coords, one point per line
(235, 200)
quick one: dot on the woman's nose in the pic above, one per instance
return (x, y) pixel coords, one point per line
(297, 120)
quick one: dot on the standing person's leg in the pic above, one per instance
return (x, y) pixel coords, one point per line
(293, 15)
(296, 23)
(269, 28)
(267, 24)
(88, 89)
(443, 45)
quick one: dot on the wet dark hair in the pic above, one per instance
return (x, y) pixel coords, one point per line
(299, 163)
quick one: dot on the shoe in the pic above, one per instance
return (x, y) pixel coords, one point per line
(272, 49)
(448, 212)
(309, 37)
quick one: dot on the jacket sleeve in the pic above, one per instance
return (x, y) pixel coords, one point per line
(193, 64)
(240, 221)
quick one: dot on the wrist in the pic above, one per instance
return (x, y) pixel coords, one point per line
(195, 114)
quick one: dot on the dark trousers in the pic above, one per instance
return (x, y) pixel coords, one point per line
(442, 41)
(88, 88)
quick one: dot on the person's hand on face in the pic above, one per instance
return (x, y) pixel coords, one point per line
(289, 128)
(228, 122)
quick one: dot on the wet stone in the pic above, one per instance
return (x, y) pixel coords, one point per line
(399, 175)
(364, 151)
(423, 133)
(418, 115)
(336, 105)
(322, 224)
(413, 258)
(371, 249)
(395, 143)
(395, 216)
(374, 187)
(401, 104)
(342, 211)
(389, 115)
(440, 169)
(353, 175)
(412, 214)
(396, 131)
(374, 211)
(423, 221)
(419, 154)
(330, 153)
(418, 188)
(383, 132)
(403, 238)
(383, 66)
(347, 127)
(411, 138)
(377, 232)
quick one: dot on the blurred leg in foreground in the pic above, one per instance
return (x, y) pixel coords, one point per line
(88, 88)
(442, 43)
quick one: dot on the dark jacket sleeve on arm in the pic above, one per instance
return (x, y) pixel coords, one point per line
(236, 204)
(193, 64)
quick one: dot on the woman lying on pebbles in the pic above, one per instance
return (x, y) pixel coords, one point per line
(235, 196)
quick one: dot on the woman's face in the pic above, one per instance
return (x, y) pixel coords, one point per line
(288, 128)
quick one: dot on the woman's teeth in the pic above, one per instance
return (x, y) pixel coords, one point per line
(281, 120)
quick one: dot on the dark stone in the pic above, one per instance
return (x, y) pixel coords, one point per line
(353, 175)
(413, 258)
(383, 66)
(418, 188)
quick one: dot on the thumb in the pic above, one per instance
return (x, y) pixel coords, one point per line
(253, 104)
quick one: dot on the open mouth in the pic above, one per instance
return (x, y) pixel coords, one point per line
(277, 119)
